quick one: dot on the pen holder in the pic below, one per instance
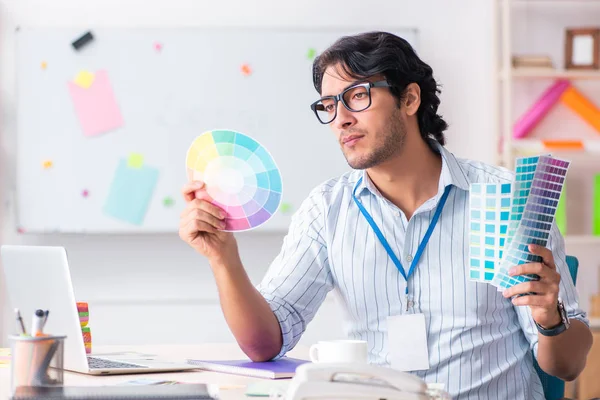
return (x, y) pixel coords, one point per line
(36, 361)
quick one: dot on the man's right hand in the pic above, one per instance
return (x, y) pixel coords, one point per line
(201, 225)
(246, 311)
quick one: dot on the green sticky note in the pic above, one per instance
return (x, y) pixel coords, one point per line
(130, 193)
(168, 201)
(285, 207)
(561, 212)
(311, 53)
(596, 211)
(135, 160)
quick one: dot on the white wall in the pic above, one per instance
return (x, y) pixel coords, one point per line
(155, 289)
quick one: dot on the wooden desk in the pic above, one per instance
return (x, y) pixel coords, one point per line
(588, 384)
(232, 387)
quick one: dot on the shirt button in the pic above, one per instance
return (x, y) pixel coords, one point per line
(409, 258)
(397, 213)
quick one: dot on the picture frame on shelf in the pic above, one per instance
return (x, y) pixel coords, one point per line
(582, 48)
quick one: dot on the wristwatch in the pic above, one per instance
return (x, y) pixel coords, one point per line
(560, 328)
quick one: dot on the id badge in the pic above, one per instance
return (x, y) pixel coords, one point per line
(407, 341)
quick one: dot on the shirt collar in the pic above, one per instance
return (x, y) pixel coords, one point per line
(452, 174)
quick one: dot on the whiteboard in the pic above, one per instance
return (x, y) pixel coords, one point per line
(170, 85)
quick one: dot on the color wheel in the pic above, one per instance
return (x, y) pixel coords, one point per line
(240, 176)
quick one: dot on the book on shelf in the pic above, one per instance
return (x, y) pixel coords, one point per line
(532, 61)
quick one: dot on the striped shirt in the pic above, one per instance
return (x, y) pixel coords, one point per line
(480, 345)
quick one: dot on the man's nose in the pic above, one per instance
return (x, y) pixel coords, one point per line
(345, 118)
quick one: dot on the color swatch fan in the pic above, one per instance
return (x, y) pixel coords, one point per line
(240, 176)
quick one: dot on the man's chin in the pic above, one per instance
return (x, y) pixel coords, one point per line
(358, 164)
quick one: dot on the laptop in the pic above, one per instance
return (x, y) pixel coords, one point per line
(38, 277)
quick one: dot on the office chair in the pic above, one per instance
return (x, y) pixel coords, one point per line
(554, 388)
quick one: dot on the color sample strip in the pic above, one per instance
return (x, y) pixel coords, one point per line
(536, 221)
(489, 213)
(240, 175)
(525, 171)
(561, 212)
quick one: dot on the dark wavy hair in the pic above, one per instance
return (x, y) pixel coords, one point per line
(372, 53)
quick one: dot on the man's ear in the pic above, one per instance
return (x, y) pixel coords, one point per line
(412, 98)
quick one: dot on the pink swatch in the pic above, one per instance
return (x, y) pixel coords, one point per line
(158, 46)
(535, 114)
(96, 106)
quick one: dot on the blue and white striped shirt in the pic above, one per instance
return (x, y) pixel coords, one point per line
(480, 345)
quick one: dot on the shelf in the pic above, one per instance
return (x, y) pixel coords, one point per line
(544, 73)
(582, 239)
(551, 3)
(594, 323)
(575, 146)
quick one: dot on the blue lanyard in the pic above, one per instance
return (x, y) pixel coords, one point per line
(385, 243)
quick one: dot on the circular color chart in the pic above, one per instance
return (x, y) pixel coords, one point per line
(240, 177)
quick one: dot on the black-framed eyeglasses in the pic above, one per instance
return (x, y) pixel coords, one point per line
(355, 98)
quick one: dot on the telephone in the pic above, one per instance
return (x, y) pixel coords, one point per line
(322, 381)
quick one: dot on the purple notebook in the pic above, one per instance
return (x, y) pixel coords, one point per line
(285, 367)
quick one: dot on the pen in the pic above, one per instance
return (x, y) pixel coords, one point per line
(37, 323)
(20, 321)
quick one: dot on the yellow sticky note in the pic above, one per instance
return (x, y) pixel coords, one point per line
(84, 79)
(44, 64)
(135, 160)
(47, 164)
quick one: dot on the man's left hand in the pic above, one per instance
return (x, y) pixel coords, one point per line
(543, 302)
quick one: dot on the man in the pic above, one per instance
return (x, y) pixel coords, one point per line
(360, 233)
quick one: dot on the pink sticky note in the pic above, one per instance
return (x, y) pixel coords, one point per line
(96, 106)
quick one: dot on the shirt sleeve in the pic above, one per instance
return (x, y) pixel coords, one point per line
(299, 278)
(567, 291)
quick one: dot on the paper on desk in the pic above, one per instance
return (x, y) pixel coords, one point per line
(149, 381)
(131, 192)
(266, 388)
(4, 357)
(96, 106)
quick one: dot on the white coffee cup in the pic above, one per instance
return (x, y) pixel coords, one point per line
(339, 351)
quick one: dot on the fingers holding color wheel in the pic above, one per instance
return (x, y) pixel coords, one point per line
(240, 176)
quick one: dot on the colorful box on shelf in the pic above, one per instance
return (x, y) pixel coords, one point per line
(561, 91)
(539, 109)
(581, 106)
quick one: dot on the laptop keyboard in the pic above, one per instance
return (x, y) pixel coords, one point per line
(100, 363)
